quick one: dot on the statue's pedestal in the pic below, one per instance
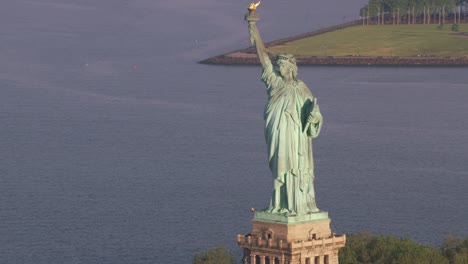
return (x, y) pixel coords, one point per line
(305, 239)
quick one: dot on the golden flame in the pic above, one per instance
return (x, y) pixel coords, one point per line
(254, 6)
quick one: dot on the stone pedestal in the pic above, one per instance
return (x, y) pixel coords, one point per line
(277, 239)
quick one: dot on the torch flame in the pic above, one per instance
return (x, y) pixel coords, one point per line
(254, 6)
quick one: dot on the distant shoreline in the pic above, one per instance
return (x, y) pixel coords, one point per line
(251, 59)
(248, 56)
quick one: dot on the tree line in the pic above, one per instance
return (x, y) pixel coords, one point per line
(398, 12)
(365, 248)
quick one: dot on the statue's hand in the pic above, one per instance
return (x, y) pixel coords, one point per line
(315, 116)
(251, 17)
(313, 119)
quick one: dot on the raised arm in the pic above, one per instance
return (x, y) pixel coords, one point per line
(256, 40)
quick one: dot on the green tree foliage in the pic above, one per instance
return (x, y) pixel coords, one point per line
(219, 255)
(413, 8)
(455, 249)
(365, 248)
(373, 7)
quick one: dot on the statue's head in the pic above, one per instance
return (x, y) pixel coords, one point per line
(287, 65)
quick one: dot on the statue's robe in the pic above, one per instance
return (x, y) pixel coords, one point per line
(289, 138)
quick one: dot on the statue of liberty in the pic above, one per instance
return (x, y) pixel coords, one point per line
(292, 119)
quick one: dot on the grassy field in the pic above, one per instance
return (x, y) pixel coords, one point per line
(388, 40)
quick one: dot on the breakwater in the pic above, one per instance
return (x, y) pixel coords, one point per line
(245, 59)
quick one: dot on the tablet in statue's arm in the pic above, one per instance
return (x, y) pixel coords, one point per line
(312, 118)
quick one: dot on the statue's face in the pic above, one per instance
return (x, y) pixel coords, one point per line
(284, 70)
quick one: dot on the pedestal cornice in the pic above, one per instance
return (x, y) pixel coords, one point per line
(284, 219)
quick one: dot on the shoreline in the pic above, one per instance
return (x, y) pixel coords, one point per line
(251, 59)
(247, 56)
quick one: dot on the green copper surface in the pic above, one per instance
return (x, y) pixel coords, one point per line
(292, 119)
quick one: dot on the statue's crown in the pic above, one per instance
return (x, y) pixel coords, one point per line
(288, 57)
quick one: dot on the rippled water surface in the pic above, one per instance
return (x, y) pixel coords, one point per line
(117, 147)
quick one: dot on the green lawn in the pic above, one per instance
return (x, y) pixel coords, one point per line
(388, 40)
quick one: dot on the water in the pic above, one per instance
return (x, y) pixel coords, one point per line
(118, 148)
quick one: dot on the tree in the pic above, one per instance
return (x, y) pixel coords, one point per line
(400, 5)
(437, 6)
(363, 14)
(411, 6)
(431, 6)
(391, 6)
(365, 248)
(219, 255)
(412, 10)
(445, 5)
(455, 249)
(374, 9)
